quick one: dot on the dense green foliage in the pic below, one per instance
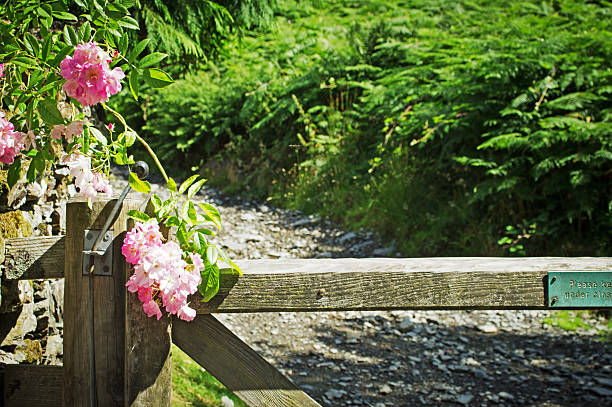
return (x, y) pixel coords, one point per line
(191, 31)
(453, 127)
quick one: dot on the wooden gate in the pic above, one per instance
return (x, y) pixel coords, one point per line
(115, 355)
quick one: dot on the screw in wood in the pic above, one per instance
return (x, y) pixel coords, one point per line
(322, 292)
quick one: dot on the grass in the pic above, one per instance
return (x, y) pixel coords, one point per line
(567, 320)
(193, 386)
(574, 320)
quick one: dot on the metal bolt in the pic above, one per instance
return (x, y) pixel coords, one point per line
(106, 269)
(553, 280)
(554, 300)
(106, 237)
(90, 235)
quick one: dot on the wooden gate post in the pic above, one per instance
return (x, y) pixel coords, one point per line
(113, 354)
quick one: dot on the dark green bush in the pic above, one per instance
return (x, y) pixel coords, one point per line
(454, 127)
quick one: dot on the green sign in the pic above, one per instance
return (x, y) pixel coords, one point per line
(580, 289)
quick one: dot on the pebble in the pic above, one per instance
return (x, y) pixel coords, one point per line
(601, 391)
(464, 399)
(488, 328)
(227, 402)
(385, 389)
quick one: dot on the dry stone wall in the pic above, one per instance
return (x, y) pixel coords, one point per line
(31, 323)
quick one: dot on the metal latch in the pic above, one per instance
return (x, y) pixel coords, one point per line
(97, 244)
(102, 258)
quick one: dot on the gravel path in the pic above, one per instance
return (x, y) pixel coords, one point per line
(405, 358)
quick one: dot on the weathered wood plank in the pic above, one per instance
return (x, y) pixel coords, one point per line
(88, 375)
(102, 364)
(30, 385)
(148, 347)
(236, 365)
(29, 258)
(384, 284)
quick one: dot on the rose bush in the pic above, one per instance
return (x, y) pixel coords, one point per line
(49, 79)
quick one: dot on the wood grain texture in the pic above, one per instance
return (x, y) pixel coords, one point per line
(236, 365)
(108, 293)
(30, 385)
(29, 258)
(385, 284)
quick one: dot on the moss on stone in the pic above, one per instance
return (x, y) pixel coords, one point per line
(13, 224)
(4, 188)
(32, 350)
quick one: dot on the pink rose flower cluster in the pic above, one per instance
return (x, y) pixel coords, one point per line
(88, 182)
(70, 131)
(89, 78)
(161, 276)
(11, 141)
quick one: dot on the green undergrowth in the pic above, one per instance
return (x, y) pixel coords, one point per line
(453, 128)
(193, 386)
(580, 320)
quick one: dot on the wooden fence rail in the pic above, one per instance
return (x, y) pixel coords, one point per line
(114, 355)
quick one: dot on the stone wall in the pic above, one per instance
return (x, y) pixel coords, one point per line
(31, 323)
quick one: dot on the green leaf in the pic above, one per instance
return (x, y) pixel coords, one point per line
(139, 185)
(210, 282)
(48, 112)
(212, 213)
(211, 254)
(129, 22)
(137, 50)
(85, 32)
(184, 210)
(129, 138)
(120, 158)
(97, 134)
(187, 183)
(182, 235)
(25, 62)
(195, 188)
(43, 13)
(196, 242)
(46, 48)
(191, 213)
(32, 44)
(14, 172)
(152, 59)
(157, 78)
(227, 260)
(204, 231)
(37, 165)
(134, 214)
(171, 184)
(123, 44)
(30, 112)
(70, 36)
(156, 201)
(62, 15)
(134, 83)
(173, 221)
(61, 55)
